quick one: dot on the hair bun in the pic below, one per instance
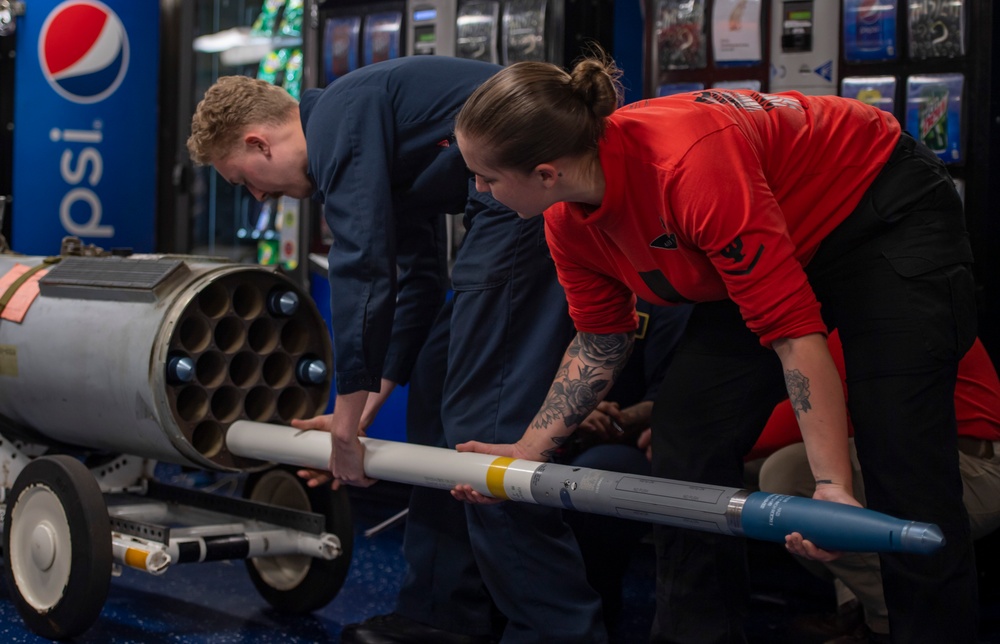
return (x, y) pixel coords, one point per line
(596, 82)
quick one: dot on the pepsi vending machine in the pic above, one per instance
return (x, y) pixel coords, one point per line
(84, 153)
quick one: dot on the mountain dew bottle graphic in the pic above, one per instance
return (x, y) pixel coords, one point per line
(934, 117)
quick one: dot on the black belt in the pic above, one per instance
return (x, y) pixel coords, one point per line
(978, 447)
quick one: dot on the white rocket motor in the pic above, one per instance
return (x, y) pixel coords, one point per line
(708, 508)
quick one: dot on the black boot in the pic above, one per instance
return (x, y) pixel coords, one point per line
(396, 629)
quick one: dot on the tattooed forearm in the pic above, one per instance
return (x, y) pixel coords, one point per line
(605, 351)
(593, 364)
(798, 391)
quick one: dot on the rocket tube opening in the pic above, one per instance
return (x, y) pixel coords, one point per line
(262, 336)
(195, 334)
(213, 300)
(244, 369)
(248, 301)
(293, 403)
(192, 404)
(294, 336)
(230, 334)
(278, 370)
(227, 404)
(259, 404)
(207, 438)
(211, 369)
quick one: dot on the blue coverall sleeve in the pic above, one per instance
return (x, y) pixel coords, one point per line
(422, 258)
(358, 208)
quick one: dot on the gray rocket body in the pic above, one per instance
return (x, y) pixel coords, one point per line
(732, 511)
(663, 501)
(89, 365)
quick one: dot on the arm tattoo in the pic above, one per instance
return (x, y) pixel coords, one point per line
(798, 391)
(597, 360)
(557, 442)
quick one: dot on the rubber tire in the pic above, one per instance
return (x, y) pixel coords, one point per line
(86, 590)
(324, 577)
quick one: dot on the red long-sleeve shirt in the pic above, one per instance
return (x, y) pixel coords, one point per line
(717, 194)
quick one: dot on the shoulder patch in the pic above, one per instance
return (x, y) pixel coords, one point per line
(666, 241)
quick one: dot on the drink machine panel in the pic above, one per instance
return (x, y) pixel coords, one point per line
(531, 31)
(431, 27)
(354, 34)
(804, 46)
(477, 31)
(555, 31)
(381, 37)
(341, 38)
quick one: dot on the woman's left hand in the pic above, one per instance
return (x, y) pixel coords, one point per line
(465, 492)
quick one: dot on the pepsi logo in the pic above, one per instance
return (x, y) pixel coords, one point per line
(869, 10)
(83, 50)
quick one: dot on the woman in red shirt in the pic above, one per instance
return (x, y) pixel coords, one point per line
(781, 216)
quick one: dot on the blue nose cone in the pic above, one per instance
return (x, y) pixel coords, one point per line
(180, 369)
(283, 303)
(311, 371)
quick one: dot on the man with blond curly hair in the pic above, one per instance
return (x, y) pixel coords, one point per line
(376, 147)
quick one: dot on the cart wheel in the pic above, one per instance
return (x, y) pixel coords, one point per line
(57, 540)
(300, 583)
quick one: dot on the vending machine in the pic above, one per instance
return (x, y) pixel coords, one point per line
(805, 46)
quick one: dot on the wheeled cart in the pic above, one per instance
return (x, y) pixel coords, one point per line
(68, 529)
(111, 364)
